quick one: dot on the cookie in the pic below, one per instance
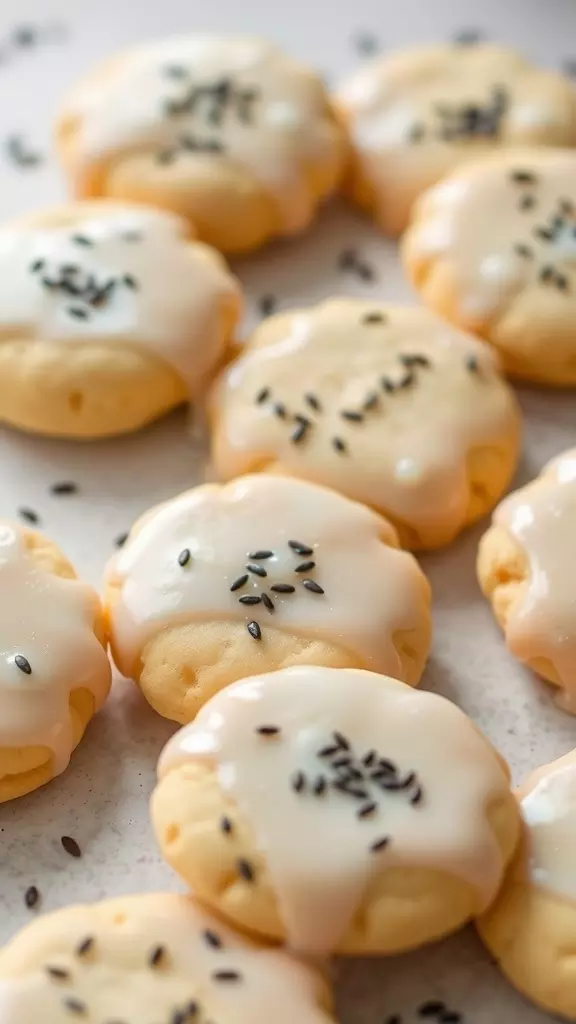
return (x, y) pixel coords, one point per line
(413, 116)
(493, 249)
(389, 405)
(264, 572)
(527, 569)
(225, 131)
(385, 821)
(110, 315)
(153, 957)
(531, 927)
(54, 671)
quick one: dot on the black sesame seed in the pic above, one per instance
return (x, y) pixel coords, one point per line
(305, 567)
(450, 1017)
(261, 554)
(212, 939)
(371, 401)
(415, 359)
(263, 395)
(65, 487)
(75, 1006)
(567, 207)
(184, 557)
(341, 740)
(347, 259)
(29, 515)
(387, 385)
(369, 758)
(298, 782)
(245, 870)
(320, 786)
(226, 976)
(250, 599)
(351, 415)
(416, 133)
(387, 765)
(365, 272)
(23, 664)
(268, 603)
(58, 973)
(416, 797)
(86, 946)
(472, 364)
(71, 846)
(523, 177)
(380, 844)
(523, 250)
(268, 730)
(225, 825)
(283, 588)
(36, 266)
(467, 37)
(374, 318)
(547, 273)
(240, 582)
(130, 282)
(407, 380)
(544, 233)
(121, 540)
(313, 586)
(82, 240)
(366, 43)
(157, 956)
(561, 282)
(280, 410)
(77, 311)
(256, 570)
(313, 402)
(431, 1008)
(300, 549)
(254, 630)
(301, 430)
(339, 445)
(527, 203)
(191, 1009)
(345, 786)
(31, 896)
(329, 750)
(366, 810)
(268, 304)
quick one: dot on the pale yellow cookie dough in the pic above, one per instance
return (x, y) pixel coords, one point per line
(531, 927)
(228, 132)
(280, 864)
(414, 115)
(153, 957)
(110, 316)
(48, 699)
(389, 405)
(527, 569)
(208, 589)
(493, 249)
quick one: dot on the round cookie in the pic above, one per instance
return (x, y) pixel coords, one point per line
(54, 671)
(531, 928)
(110, 315)
(493, 249)
(153, 957)
(413, 116)
(527, 569)
(264, 572)
(389, 405)
(225, 131)
(336, 810)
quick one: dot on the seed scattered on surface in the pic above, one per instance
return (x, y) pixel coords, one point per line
(313, 586)
(268, 603)
(416, 797)
(527, 203)
(257, 570)
(431, 1008)
(245, 870)
(86, 946)
(225, 825)
(300, 549)
(313, 402)
(130, 282)
(263, 395)
(157, 956)
(371, 401)
(524, 251)
(75, 1006)
(58, 973)
(268, 304)
(31, 897)
(280, 410)
(298, 782)
(79, 312)
(261, 554)
(240, 582)
(36, 266)
(212, 939)
(226, 976)
(71, 846)
(64, 487)
(268, 730)
(339, 445)
(121, 540)
(320, 786)
(523, 177)
(300, 432)
(184, 557)
(366, 810)
(250, 599)
(29, 515)
(387, 385)
(547, 273)
(305, 567)
(380, 844)
(82, 240)
(23, 664)
(472, 364)
(254, 630)
(283, 588)
(351, 415)
(374, 318)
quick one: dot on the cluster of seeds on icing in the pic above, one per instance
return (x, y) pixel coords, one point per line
(157, 960)
(465, 121)
(361, 778)
(210, 104)
(554, 233)
(87, 295)
(258, 567)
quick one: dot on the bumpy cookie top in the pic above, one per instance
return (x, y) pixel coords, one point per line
(362, 774)
(267, 549)
(414, 115)
(110, 272)
(381, 402)
(548, 806)
(542, 519)
(505, 227)
(194, 98)
(150, 958)
(47, 649)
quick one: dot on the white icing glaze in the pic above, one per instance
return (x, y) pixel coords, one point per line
(548, 806)
(116, 982)
(280, 129)
(49, 621)
(408, 454)
(372, 592)
(542, 519)
(167, 296)
(319, 850)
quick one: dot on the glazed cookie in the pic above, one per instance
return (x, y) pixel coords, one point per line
(389, 405)
(493, 249)
(110, 315)
(227, 132)
(385, 821)
(527, 568)
(54, 672)
(531, 928)
(226, 581)
(414, 116)
(154, 958)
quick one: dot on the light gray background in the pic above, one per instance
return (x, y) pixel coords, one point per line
(102, 799)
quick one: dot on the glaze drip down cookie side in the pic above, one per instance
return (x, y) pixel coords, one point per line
(257, 574)
(338, 810)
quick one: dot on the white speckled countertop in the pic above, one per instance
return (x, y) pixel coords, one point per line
(102, 799)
